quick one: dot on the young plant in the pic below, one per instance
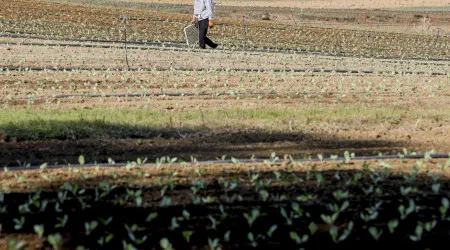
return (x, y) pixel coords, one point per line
(299, 240)
(39, 230)
(19, 223)
(376, 234)
(16, 245)
(55, 240)
(165, 244)
(329, 219)
(105, 239)
(187, 235)
(444, 208)
(253, 240)
(62, 221)
(131, 230)
(251, 218)
(418, 233)
(90, 226)
(392, 225)
(289, 217)
(404, 212)
(213, 244)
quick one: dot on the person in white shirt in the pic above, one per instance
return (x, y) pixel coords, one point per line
(204, 18)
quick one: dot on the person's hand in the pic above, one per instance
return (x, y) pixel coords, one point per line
(194, 20)
(211, 23)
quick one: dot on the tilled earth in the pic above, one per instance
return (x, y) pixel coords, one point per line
(420, 124)
(193, 206)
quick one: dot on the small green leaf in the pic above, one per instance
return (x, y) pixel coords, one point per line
(151, 216)
(392, 224)
(271, 230)
(187, 235)
(312, 228)
(81, 160)
(39, 230)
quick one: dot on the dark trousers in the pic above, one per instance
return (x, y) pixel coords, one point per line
(202, 31)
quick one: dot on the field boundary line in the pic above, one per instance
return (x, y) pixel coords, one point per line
(230, 93)
(329, 71)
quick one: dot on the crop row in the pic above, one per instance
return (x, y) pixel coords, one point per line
(258, 205)
(98, 22)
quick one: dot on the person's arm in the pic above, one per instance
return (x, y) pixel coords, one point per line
(210, 10)
(197, 10)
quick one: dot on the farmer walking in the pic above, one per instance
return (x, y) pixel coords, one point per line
(204, 18)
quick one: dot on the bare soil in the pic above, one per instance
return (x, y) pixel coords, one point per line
(198, 199)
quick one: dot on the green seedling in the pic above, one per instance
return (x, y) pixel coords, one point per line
(55, 240)
(347, 231)
(90, 226)
(329, 219)
(213, 244)
(105, 222)
(404, 212)
(166, 201)
(253, 240)
(299, 240)
(214, 222)
(81, 160)
(289, 217)
(187, 235)
(435, 188)
(444, 208)
(131, 230)
(226, 236)
(271, 230)
(165, 244)
(312, 227)
(19, 223)
(392, 225)
(418, 233)
(376, 234)
(105, 239)
(16, 245)
(264, 195)
(340, 195)
(151, 216)
(39, 230)
(251, 218)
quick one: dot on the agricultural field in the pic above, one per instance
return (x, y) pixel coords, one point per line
(317, 125)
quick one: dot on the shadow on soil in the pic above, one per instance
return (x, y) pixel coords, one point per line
(62, 142)
(213, 219)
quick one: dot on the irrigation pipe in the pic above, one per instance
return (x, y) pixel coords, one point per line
(257, 160)
(175, 44)
(100, 46)
(329, 71)
(28, 36)
(64, 96)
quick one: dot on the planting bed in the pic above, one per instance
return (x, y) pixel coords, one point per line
(345, 204)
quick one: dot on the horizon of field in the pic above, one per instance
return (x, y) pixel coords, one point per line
(331, 4)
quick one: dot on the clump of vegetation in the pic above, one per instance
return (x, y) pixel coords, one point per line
(266, 16)
(2, 136)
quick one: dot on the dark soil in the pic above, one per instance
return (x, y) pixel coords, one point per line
(211, 220)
